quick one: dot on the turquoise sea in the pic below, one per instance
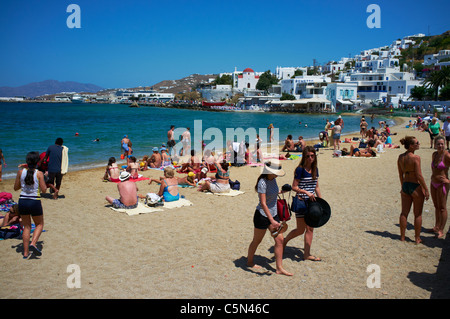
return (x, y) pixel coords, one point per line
(34, 126)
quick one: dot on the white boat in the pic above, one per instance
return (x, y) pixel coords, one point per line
(77, 99)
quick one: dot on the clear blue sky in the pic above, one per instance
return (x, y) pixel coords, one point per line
(132, 43)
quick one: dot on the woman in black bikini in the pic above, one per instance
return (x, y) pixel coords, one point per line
(414, 190)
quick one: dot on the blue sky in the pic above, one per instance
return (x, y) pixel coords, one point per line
(132, 43)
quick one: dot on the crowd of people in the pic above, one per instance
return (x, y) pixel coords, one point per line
(43, 171)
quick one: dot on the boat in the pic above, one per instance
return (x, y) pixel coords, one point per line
(204, 103)
(77, 99)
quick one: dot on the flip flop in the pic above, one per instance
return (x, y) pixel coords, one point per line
(36, 251)
(280, 230)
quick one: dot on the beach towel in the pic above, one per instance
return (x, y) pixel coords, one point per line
(177, 203)
(140, 209)
(140, 178)
(144, 209)
(65, 160)
(232, 192)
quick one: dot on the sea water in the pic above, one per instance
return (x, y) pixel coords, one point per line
(34, 126)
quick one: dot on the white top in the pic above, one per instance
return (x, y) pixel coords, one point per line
(29, 191)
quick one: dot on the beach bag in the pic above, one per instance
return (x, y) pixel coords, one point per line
(298, 204)
(236, 185)
(362, 145)
(283, 209)
(7, 232)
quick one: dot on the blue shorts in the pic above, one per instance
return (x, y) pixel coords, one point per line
(336, 136)
(118, 204)
(31, 207)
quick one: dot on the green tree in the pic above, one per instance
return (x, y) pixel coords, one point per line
(266, 80)
(445, 93)
(421, 92)
(287, 96)
(224, 80)
(438, 79)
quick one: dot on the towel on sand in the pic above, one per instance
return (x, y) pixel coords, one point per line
(144, 209)
(232, 192)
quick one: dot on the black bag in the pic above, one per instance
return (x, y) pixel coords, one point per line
(236, 185)
(7, 232)
(362, 145)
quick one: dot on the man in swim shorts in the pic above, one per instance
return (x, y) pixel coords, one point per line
(128, 193)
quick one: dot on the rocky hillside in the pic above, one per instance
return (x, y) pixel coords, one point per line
(183, 85)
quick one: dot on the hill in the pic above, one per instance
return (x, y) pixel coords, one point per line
(47, 87)
(183, 85)
(426, 45)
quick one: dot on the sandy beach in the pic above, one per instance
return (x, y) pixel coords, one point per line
(200, 251)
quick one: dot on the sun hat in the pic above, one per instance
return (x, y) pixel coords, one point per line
(155, 149)
(124, 176)
(273, 167)
(191, 174)
(163, 149)
(318, 213)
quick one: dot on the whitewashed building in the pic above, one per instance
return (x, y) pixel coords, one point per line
(343, 96)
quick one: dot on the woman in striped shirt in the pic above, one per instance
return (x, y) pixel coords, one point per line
(306, 185)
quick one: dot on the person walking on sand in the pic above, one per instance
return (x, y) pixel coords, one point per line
(54, 155)
(440, 162)
(414, 190)
(306, 185)
(31, 182)
(337, 134)
(266, 216)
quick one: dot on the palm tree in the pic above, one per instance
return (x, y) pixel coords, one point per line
(438, 79)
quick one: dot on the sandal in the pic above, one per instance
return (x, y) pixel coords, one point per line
(36, 251)
(280, 230)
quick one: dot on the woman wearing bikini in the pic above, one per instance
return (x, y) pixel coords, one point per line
(112, 171)
(414, 190)
(439, 187)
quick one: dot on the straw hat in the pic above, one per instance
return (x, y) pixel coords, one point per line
(273, 167)
(318, 213)
(124, 176)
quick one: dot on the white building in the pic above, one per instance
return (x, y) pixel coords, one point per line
(283, 73)
(247, 80)
(145, 95)
(343, 96)
(305, 86)
(430, 59)
(333, 67)
(381, 85)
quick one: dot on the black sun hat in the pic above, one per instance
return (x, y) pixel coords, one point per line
(318, 213)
